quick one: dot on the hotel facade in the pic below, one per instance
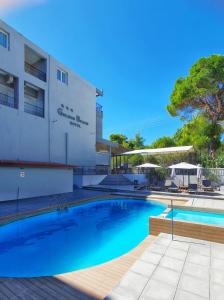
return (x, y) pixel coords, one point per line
(50, 121)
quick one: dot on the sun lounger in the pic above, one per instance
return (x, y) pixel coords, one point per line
(206, 186)
(158, 186)
(173, 188)
(192, 188)
(140, 187)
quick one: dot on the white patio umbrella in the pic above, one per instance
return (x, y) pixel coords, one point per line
(186, 166)
(148, 166)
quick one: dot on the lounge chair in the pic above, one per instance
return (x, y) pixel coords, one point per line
(140, 187)
(192, 188)
(173, 188)
(206, 186)
(158, 186)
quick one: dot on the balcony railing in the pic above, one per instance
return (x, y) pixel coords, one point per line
(33, 109)
(7, 100)
(99, 107)
(35, 71)
(97, 170)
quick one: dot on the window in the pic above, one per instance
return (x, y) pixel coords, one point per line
(4, 39)
(62, 76)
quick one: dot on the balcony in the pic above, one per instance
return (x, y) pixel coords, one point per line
(33, 109)
(99, 108)
(33, 100)
(35, 72)
(8, 90)
(35, 64)
(7, 100)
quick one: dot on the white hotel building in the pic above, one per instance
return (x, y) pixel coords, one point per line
(49, 121)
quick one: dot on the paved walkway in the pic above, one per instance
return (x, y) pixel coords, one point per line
(183, 269)
(206, 203)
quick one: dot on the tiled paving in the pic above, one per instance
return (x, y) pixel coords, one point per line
(179, 269)
(206, 203)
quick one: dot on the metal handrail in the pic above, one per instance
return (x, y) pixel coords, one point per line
(7, 100)
(33, 109)
(98, 170)
(99, 107)
(35, 71)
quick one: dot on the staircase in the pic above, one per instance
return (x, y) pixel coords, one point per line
(116, 180)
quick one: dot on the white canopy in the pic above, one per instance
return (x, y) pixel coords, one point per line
(184, 166)
(148, 166)
(181, 149)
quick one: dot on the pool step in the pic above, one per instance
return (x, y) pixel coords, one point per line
(115, 180)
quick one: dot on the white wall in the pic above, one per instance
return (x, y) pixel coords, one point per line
(140, 177)
(32, 138)
(37, 182)
(84, 180)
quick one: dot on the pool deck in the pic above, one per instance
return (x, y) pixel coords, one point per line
(91, 283)
(23, 207)
(179, 269)
(208, 204)
(97, 282)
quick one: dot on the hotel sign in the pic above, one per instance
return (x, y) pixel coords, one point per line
(74, 120)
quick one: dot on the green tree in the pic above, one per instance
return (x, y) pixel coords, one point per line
(137, 142)
(201, 91)
(119, 138)
(136, 159)
(200, 133)
(165, 141)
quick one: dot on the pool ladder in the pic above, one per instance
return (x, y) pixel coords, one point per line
(61, 205)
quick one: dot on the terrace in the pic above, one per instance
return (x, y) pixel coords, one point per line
(35, 64)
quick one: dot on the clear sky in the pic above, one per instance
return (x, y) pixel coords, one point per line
(133, 49)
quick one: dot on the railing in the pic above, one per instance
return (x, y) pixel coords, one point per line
(98, 170)
(33, 109)
(216, 171)
(99, 107)
(205, 171)
(35, 71)
(7, 100)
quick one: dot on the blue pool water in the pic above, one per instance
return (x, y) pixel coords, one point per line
(197, 216)
(76, 238)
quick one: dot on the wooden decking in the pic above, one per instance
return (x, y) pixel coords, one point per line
(92, 283)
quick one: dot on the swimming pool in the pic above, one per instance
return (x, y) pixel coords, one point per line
(79, 237)
(197, 216)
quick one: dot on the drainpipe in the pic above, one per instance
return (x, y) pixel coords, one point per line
(48, 103)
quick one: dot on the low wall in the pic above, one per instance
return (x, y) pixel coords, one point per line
(85, 180)
(140, 177)
(188, 229)
(33, 182)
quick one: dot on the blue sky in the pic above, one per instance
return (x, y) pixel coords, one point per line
(133, 49)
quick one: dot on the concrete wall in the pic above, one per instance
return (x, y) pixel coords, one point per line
(85, 180)
(37, 182)
(140, 177)
(52, 138)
